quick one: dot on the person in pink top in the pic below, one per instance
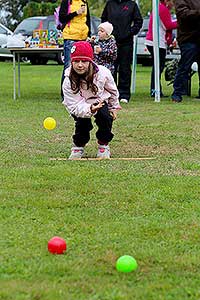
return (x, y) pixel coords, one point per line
(166, 25)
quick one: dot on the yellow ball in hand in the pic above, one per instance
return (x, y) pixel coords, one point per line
(49, 123)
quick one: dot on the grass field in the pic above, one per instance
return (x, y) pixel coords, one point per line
(103, 209)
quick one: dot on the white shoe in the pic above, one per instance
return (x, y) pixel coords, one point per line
(103, 152)
(124, 101)
(76, 152)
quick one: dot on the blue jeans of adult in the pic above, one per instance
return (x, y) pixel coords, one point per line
(189, 53)
(67, 50)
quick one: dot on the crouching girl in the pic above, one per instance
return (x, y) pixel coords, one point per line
(90, 91)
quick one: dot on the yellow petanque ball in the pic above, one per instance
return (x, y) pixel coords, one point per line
(49, 123)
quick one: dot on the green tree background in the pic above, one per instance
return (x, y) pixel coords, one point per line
(97, 6)
(17, 10)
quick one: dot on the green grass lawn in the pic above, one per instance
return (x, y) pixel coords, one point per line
(103, 209)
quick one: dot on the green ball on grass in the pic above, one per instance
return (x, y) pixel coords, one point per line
(126, 264)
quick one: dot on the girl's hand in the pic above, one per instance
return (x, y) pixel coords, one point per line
(97, 49)
(114, 115)
(95, 107)
(81, 10)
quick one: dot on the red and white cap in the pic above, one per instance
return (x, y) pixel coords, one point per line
(82, 51)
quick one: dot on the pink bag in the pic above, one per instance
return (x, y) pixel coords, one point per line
(59, 25)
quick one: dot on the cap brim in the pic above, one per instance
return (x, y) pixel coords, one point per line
(83, 58)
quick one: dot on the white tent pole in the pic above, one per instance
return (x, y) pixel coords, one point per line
(134, 64)
(156, 48)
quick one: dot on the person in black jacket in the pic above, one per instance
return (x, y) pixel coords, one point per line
(127, 21)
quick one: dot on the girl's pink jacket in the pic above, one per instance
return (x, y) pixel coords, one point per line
(79, 104)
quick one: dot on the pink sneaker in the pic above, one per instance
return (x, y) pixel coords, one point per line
(76, 152)
(103, 152)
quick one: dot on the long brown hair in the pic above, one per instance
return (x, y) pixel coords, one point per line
(77, 80)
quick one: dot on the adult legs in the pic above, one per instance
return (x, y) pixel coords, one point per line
(162, 56)
(123, 68)
(189, 53)
(67, 50)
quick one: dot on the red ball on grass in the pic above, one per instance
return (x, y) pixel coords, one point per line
(57, 245)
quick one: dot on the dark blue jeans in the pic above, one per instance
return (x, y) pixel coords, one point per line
(189, 54)
(67, 50)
